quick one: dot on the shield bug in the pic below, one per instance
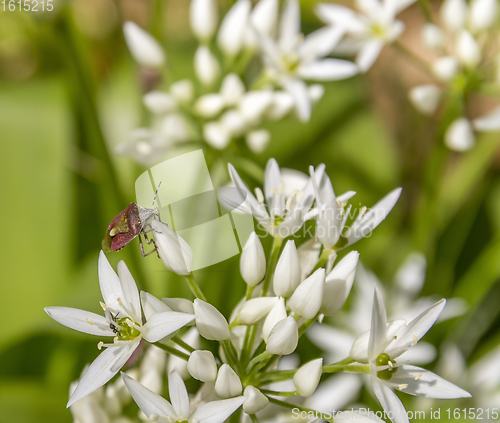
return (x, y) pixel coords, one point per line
(131, 222)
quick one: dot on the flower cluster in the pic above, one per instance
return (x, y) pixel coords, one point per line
(239, 365)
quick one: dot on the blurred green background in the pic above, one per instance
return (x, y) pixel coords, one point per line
(67, 82)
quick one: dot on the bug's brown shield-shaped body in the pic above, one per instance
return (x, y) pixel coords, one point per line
(126, 226)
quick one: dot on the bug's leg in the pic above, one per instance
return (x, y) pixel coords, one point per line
(148, 241)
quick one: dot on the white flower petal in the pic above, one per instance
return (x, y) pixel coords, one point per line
(206, 66)
(390, 402)
(217, 135)
(256, 309)
(284, 337)
(178, 395)
(80, 320)
(152, 305)
(258, 140)
(454, 14)
(159, 103)
(203, 16)
(289, 25)
(232, 29)
(216, 411)
(425, 98)
(210, 322)
(228, 383)
(424, 383)
(209, 105)
(308, 256)
(110, 285)
(306, 379)
(298, 90)
(143, 47)
(264, 16)
(277, 314)
(271, 181)
(321, 42)
(103, 368)
(328, 70)
(148, 401)
(445, 68)
(368, 54)
(287, 274)
(489, 122)
(163, 324)
(130, 291)
(378, 330)
(202, 366)
(468, 51)
(433, 36)
(307, 298)
(483, 14)
(253, 261)
(174, 251)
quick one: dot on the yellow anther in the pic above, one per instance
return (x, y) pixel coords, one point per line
(418, 376)
(99, 345)
(104, 306)
(391, 366)
(90, 322)
(415, 340)
(403, 386)
(259, 195)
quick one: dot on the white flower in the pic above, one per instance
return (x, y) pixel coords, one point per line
(210, 322)
(292, 57)
(284, 337)
(255, 310)
(232, 89)
(384, 343)
(445, 68)
(338, 284)
(253, 261)
(159, 102)
(483, 14)
(287, 274)
(454, 14)
(460, 135)
(287, 204)
(307, 298)
(201, 366)
(425, 98)
(209, 105)
(143, 47)
(258, 140)
(433, 37)
(122, 319)
(468, 51)
(206, 66)
(228, 383)
(175, 253)
(372, 29)
(256, 400)
(157, 408)
(489, 122)
(277, 314)
(182, 90)
(233, 27)
(203, 17)
(306, 379)
(216, 134)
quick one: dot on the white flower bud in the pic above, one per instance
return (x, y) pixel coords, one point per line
(284, 337)
(233, 122)
(281, 104)
(159, 103)
(181, 305)
(489, 122)
(468, 50)
(287, 273)
(175, 253)
(425, 98)
(228, 383)
(454, 14)
(253, 261)
(210, 322)
(143, 47)
(254, 104)
(445, 68)
(182, 91)
(209, 105)
(258, 140)
(256, 400)
(216, 135)
(307, 378)
(256, 309)
(232, 30)
(460, 135)
(232, 89)
(277, 314)
(203, 17)
(338, 284)
(206, 65)
(433, 37)
(201, 366)
(483, 14)
(173, 127)
(307, 298)
(264, 17)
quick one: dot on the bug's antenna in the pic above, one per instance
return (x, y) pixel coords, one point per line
(156, 193)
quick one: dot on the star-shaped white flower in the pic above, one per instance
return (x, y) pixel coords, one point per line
(159, 409)
(369, 30)
(386, 342)
(122, 320)
(291, 58)
(288, 198)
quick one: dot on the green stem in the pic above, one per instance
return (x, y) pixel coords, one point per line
(254, 418)
(260, 358)
(323, 259)
(279, 394)
(182, 344)
(172, 350)
(426, 9)
(354, 368)
(195, 289)
(249, 292)
(231, 355)
(272, 263)
(326, 417)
